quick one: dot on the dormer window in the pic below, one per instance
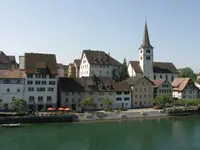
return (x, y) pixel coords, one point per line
(148, 51)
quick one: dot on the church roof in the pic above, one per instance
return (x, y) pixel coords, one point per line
(146, 41)
(158, 67)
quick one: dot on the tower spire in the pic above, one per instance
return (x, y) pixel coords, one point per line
(146, 41)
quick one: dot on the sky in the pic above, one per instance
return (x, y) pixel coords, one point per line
(66, 27)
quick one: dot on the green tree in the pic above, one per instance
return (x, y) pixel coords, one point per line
(187, 73)
(88, 102)
(162, 100)
(124, 71)
(107, 102)
(18, 104)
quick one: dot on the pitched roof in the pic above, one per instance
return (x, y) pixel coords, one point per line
(33, 61)
(60, 66)
(77, 62)
(96, 57)
(134, 80)
(157, 83)
(146, 41)
(12, 74)
(158, 67)
(179, 83)
(99, 84)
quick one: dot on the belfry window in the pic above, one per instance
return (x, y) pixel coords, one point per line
(148, 58)
(148, 51)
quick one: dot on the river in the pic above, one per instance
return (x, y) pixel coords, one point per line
(181, 133)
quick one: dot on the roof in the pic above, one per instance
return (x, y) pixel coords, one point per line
(77, 62)
(99, 84)
(33, 61)
(60, 66)
(96, 57)
(6, 59)
(179, 83)
(134, 80)
(12, 74)
(146, 41)
(158, 67)
(157, 83)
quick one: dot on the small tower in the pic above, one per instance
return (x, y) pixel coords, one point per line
(146, 55)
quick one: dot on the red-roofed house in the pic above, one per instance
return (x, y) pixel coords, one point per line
(162, 87)
(184, 88)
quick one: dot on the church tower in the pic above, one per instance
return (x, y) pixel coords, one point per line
(146, 55)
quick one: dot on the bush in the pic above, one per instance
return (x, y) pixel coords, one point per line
(122, 108)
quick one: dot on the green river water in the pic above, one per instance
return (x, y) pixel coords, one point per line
(181, 133)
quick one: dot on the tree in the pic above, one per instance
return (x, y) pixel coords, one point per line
(124, 71)
(88, 102)
(162, 100)
(187, 72)
(18, 104)
(107, 102)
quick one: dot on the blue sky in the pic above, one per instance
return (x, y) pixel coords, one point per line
(66, 27)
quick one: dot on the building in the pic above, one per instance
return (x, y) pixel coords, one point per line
(184, 88)
(142, 92)
(77, 63)
(146, 65)
(65, 70)
(71, 71)
(60, 68)
(7, 62)
(98, 63)
(74, 90)
(11, 86)
(40, 80)
(162, 87)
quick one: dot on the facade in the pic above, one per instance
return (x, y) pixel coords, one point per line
(75, 90)
(77, 63)
(71, 71)
(147, 67)
(60, 68)
(7, 62)
(142, 92)
(162, 87)
(184, 88)
(98, 63)
(11, 86)
(40, 80)
(198, 86)
(65, 70)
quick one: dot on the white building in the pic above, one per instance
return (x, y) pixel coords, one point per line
(77, 63)
(40, 80)
(98, 63)
(147, 67)
(75, 90)
(11, 86)
(184, 88)
(162, 87)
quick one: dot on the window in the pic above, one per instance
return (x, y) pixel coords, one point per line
(52, 82)
(49, 98)
(44, 82)
(148, 51)
(73, 100)
(29, 82)
(119, 93)
(73, 93)
(166, 77)
(66, 100)
(50, 89)
(126, 93)
(126, 98)
(52, 76)
(37, 76)
(18, 90)
(30, 89)
(140, 51)
(37, 82)
(43, 76)
(160, 76)
(154, 77)
(30, 76)
(8, 90)
(40, 98)
(148, 57)
(65, 93)
(40, 89)
(118, 99)
(31, 98)
(172, 78)
(107, 72)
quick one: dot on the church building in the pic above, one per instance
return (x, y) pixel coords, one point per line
(147, 67)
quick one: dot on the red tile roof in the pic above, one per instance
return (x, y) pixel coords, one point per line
(179, 83)
(158, 82)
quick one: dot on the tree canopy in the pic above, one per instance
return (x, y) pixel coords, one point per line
(18, 104)
(107, 102)
(124, 71)
(88, 102)
(187, 72)
(162, 100)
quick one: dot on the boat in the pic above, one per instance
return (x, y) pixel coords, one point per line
(11, 125)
